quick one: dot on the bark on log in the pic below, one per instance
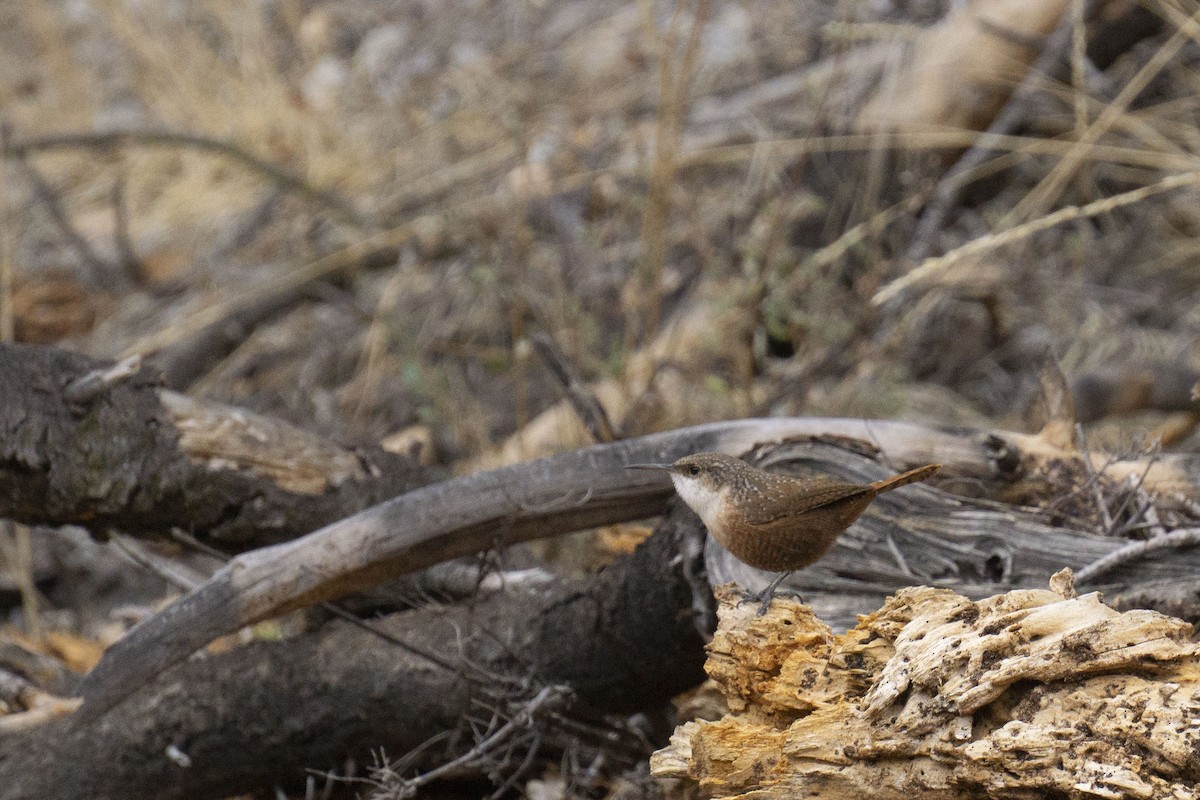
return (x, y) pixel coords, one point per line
(1026, 694)
(142, 460)
(624, 640)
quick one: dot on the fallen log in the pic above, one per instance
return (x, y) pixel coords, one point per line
(86, 443)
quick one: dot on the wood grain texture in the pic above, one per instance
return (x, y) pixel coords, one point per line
(1024, 694)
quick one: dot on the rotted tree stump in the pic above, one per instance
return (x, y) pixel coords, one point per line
(1028, 694)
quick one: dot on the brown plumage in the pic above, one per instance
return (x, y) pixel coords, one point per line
(773, 522)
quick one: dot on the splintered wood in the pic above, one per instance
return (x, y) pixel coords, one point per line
(1028, 694)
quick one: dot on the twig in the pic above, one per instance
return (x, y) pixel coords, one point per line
(129, 261)
(7, 312)
(1136, 491)
(1184, 537)
(174, 573)
(101, 269)
(16, 545)
(161, 138)
(333, 608)
(85, 389)
(1094, 479)
(549, 696)
(896, 554)
(583, 401)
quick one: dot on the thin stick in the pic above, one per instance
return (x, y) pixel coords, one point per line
(130, 263)
(549, 696)
(1178, 539)
(333, 608)
(956, 179)
(178, 575)
(7, 313)
(1094, 479)
(673, 89)
(101, 269)
(583, 401)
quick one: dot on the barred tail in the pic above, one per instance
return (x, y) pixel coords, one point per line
(905, 478)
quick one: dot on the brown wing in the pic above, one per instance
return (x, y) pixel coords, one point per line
(782, 497)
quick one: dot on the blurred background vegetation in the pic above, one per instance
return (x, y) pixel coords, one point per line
(469, 173)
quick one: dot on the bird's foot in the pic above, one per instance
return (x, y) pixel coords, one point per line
(765, 597)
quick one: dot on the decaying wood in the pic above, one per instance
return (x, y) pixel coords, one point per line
(84, 444)
(625, 640)
(588, 488)
(1024, 694)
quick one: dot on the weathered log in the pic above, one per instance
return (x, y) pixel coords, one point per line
(1025, 694)
(142, 460)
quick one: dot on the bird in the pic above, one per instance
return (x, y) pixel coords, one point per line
(768, 521)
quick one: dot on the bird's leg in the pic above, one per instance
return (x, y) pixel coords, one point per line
(767, 594)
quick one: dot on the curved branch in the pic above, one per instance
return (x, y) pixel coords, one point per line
(178, 139)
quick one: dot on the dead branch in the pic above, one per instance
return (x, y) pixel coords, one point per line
(587, 407)
(624, 640)
(186, 353)
(1029, 693)
(104, 447)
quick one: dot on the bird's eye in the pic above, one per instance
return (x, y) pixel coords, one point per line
(694, 469)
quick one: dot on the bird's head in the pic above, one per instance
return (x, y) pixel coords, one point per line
(701, 479)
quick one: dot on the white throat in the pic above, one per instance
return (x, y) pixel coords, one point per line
(705, 502)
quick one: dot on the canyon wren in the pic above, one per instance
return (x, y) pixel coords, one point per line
(773, 522)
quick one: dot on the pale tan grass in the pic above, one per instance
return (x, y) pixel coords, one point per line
(242, 96)
(940, 139)
(674, 80)
(933, 268)
(1052, 185)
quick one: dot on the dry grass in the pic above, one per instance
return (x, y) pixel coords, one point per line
(542, 172)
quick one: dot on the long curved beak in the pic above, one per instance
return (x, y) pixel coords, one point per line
(663, 467)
